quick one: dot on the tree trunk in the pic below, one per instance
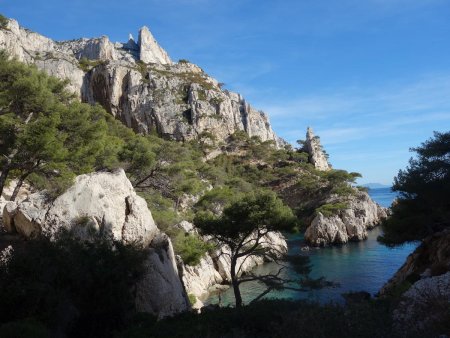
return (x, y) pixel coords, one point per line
(7, 167)
(3, 176)
(235, 283)
(18, 186)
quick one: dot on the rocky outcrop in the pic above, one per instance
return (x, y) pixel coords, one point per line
(425, 308)
(214, 268)
(161, 283)
(349, 224)
(316, 153)
(431, 258)
(139, 84)
(105, 205)
(149, 50)
(422, 285)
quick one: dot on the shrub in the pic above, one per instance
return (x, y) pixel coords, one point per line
(86, 65)
(216, 198)
(331, 209)
(192, 299)
(27, 328)
(3, 22)
(57, 282)
(190, 247)
(162, 209)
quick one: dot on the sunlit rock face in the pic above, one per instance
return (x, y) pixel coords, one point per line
(139, 84)
(105, 205)
(316, 153)
(349, 224)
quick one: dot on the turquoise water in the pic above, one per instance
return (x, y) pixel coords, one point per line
(360, 266)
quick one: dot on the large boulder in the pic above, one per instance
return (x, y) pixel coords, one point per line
(161, 283)
(102, 203)
(105, 204)
(349, 224)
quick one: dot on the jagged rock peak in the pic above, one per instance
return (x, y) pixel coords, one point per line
(138, 84)
(316, 153)
(149, 49)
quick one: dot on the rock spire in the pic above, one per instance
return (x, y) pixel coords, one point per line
(149, 49)
(315, 150)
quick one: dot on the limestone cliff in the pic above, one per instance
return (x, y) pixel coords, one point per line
(432, 257)
(140, 85)
(422, 285)
(105, 204)
(349, 224)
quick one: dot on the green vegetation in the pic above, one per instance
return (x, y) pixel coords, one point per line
(63, 285)
(275, 318)
(192, 299)
(44, 132)
(186, 77)
(424, 204)
(143, 68)
(191, 248)
(243, 226)
(183, 61)
(3, 22)
(331, 209)
(86, 65)
(48, 137)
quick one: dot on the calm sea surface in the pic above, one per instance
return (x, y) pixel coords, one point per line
(361, 266)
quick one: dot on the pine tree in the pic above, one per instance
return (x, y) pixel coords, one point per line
(45, 132)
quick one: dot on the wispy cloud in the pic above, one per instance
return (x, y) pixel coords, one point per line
(428, 93)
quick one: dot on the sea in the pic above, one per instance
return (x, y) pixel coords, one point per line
(356, 266)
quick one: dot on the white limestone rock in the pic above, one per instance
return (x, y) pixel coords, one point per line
(178, 101)
(106, 204)
(350, 224)
(200, 278)
(33, 48)
(161, 292)
(424, 305)
(91, 49)
(149, 49)
(316, 154)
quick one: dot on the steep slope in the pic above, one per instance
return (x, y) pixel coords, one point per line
(139, 84)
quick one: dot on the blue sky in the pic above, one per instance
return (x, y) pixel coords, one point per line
(372, 77)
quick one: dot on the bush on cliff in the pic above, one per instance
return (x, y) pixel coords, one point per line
(3, 22)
